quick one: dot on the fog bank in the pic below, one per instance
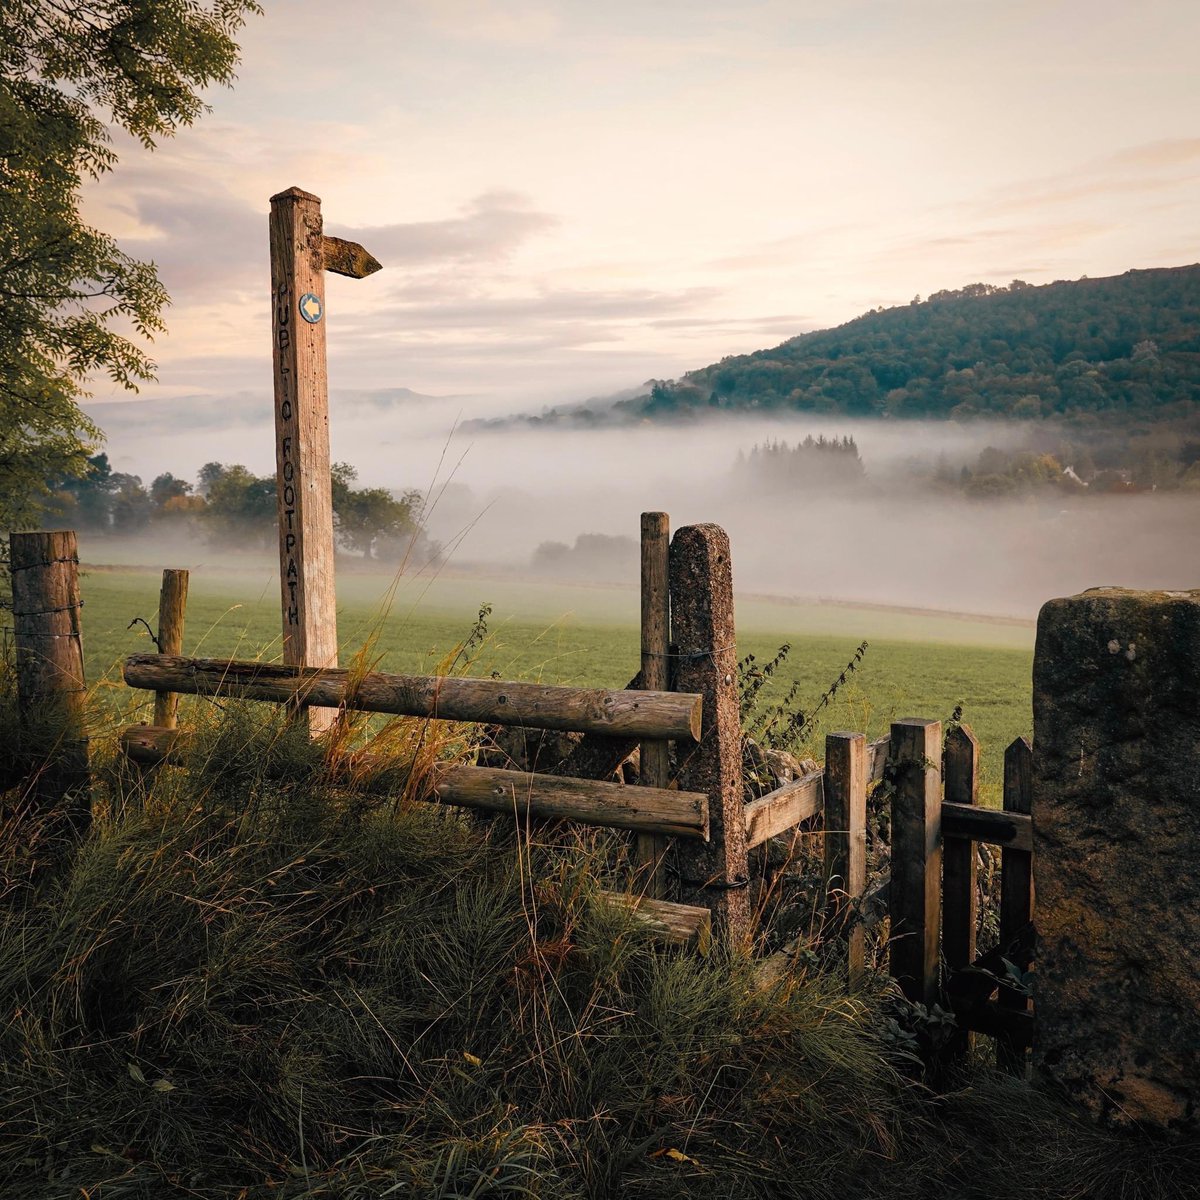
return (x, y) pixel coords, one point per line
(496, 496)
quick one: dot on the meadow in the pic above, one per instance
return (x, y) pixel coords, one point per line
(917, 664)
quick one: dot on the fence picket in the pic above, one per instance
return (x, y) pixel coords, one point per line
(960, 903)
(1016, 895)
(846, 842)
(914, 763)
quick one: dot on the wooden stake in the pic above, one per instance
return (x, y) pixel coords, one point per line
(50, 681)
(300, 255)
(915, 894)
(846, 841)
(172, 604)
(655, 767)
(702, 628)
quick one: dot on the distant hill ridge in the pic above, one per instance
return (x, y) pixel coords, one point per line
(1128, 344)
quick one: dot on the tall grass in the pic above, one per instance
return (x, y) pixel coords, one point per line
(256, 978)
(257, 981)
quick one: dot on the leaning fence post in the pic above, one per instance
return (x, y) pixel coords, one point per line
(960, 903)
(49, 653)
(1016, 896)
(846, 841)
(915, 894)
(656, 636)
(702, 628)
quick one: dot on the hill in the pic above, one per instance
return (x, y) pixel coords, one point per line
(1125, 345)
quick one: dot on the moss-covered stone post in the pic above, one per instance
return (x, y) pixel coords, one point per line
(1116, 821)
(715, 874)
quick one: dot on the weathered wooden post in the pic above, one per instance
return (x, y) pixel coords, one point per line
(960, 901)
(172, 607)
(656, 637)
(702, 628)
(914, 762)
(846, 842)
(1016, 896)
(300, 256)
(50, 680)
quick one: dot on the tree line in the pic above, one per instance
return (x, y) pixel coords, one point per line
(1122, 346)
(232, 506)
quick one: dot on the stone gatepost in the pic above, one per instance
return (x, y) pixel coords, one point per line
(1116, 810)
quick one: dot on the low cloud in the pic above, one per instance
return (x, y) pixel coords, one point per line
(553, 306)
(489, 229)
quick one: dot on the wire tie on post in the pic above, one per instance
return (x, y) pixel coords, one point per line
(45, 612)
(47, 562)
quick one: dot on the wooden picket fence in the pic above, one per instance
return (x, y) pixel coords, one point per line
(696, 823)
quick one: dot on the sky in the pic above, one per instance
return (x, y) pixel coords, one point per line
(570, 198)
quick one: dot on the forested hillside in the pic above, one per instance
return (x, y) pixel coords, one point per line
(1129, 344)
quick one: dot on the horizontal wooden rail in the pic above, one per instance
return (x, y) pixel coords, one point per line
(783, 809)
(1015, 1026)
(670, 715)
(677, 924)
(1013, 831)
(591, 801)
(877, 752)
(150, 745)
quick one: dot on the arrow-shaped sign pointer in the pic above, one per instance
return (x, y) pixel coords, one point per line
(347, 258)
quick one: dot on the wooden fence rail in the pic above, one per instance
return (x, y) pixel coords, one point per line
(663, 811)
(636, 714)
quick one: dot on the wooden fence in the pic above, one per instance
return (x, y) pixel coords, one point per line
(697, 823)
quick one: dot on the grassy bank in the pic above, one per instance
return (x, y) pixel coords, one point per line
(258, 984)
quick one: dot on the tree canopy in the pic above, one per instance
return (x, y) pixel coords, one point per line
(71, 302)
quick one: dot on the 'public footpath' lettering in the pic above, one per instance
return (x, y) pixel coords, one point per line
(287, 465)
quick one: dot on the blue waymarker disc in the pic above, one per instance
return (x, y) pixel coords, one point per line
(310, 308)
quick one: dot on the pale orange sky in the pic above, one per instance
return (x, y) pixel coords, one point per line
(570, 198)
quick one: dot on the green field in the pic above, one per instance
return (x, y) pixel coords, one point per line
(918, 664)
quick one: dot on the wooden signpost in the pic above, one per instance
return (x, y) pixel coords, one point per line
(300, 256)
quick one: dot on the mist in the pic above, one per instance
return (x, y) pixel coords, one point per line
(496, 495)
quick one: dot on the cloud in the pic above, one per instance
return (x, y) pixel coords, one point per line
(506, 313)
(208, 243)
(1135, 170)
(1167, 152)
(489, 229)
(204, 240)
